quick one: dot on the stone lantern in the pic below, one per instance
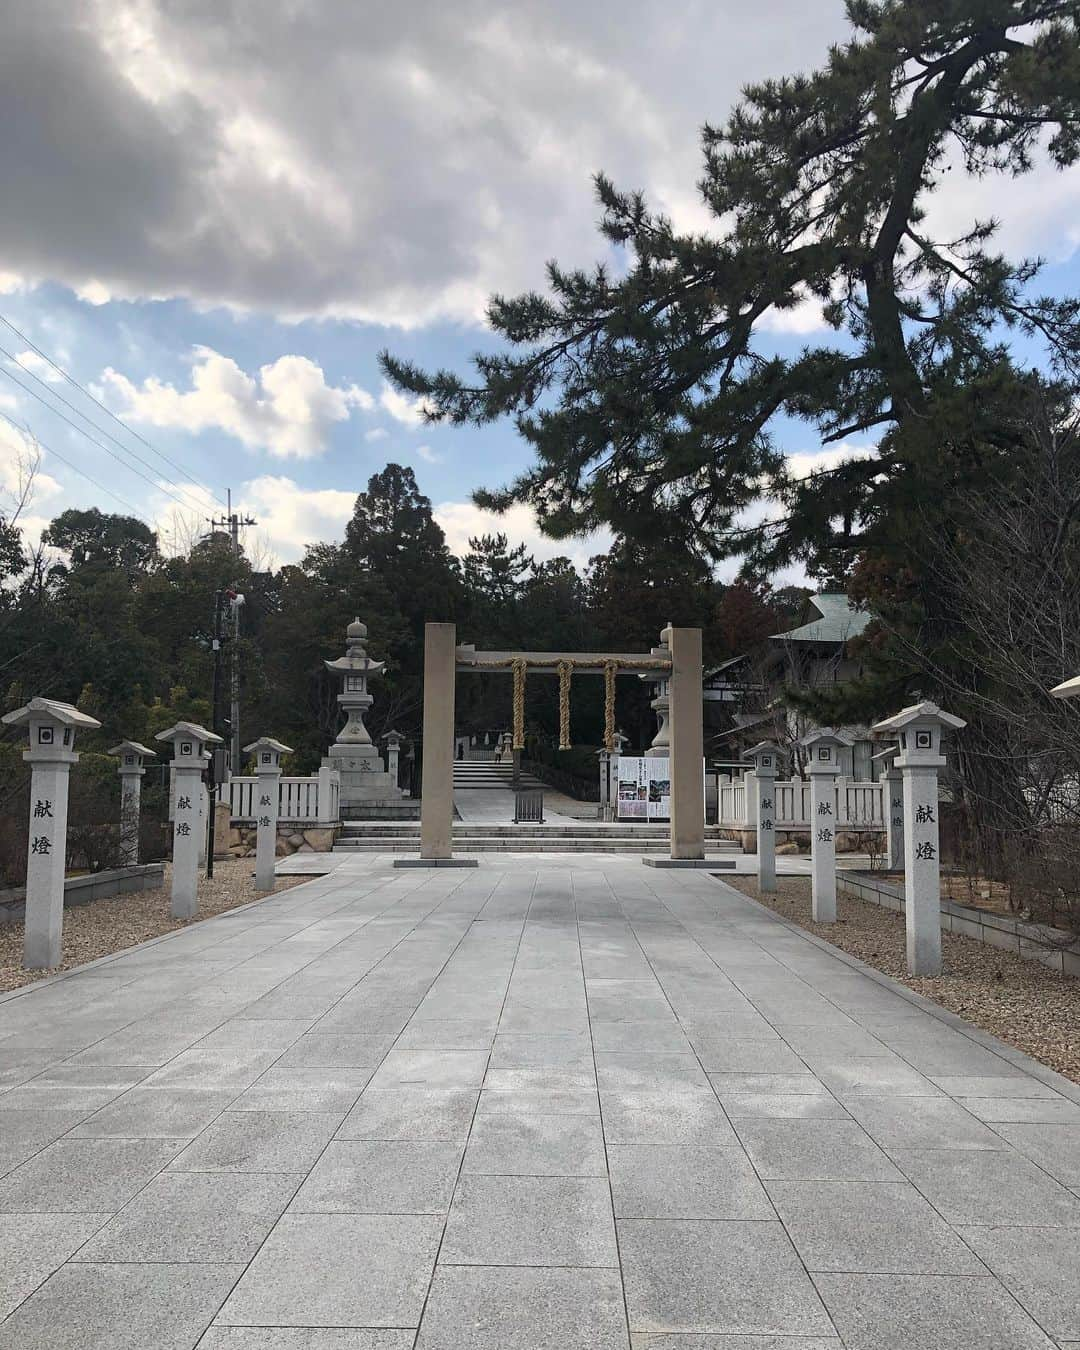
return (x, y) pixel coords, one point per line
(765, 758)
(132, 760)
(364, 780)
(266, 753)
(190, 758)
(823, 747)
(52, 728)
(919, 730)
(661, 702)
(393, 741)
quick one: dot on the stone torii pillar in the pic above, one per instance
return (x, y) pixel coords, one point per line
(919, 729)
(190, 757)
(267, 753)
(824, 746)
(131, 768)
(437, 787)
(687, 745)
(52, 728)
(764, 758)
(892, 801)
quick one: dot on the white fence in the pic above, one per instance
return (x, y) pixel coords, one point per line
(309, 799)
(858, 805)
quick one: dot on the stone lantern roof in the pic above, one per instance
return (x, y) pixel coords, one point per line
(191, 729)
(919, 712)
(356, 657)
(132, 748)
(267, 743)
(50, 709)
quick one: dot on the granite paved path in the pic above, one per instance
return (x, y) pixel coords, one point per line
(569, 1104)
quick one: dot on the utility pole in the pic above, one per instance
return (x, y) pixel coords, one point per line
(215, 778)
(232, 522)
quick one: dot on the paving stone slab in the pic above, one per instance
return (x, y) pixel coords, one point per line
(528, 1144)
(431, 1069)
(304, 1338)
(530, 1221)
(120, 1307)
(684, 1118)
(922, 1122)
(338, 1270)
(381, 1176)
(783, 1106)
(32, 1246)
(156, 1113)
(508, 1308)
(733, 1343)
(259, 1141)
(920, 1312)
(1040, 1267)
(813, 1150)
(653, 1181)
(84, 1176)
(556, 1101)
(437, 1114)
(1022, 1110)
(738, 1278)
(975, 1186)
(869, 1226)
(195, 1216)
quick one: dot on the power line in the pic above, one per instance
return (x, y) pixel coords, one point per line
(108, 411)
(82, 474)
(194, 503)
(154, 483)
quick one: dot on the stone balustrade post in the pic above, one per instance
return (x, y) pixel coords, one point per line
(132, 761)
(52, 728)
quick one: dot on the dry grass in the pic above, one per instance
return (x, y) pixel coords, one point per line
(1022, 1002)
(110, 925)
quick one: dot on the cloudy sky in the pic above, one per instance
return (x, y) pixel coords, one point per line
(216, 212)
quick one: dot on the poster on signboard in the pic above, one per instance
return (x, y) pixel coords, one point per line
(644, 788)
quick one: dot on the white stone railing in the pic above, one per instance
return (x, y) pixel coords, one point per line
(858, 805)
(302, 799)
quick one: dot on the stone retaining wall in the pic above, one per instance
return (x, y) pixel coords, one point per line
(292, 837)
(1050, 946)
(93, 886)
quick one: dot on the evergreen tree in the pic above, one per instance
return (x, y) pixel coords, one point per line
(646, 394)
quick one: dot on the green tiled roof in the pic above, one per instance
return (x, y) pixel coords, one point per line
(839, 621)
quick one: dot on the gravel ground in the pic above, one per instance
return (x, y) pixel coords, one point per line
(106, 926)
(1022, 1002)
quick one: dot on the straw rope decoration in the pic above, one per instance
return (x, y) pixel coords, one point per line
(564, 668)
(519, 666)
(610, 671)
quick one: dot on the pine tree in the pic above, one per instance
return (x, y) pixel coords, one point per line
(646, 394)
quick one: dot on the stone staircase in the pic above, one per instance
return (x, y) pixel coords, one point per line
(578, 837)
(486, 774)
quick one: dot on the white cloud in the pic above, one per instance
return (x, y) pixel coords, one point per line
(462, 521)
(806, 462)
(36, 365)
(408, 411)
(376, 434)
(18, 455)
(288, 409)
(806, 317)
(428, 455)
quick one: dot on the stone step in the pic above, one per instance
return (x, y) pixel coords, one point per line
(497, 829)
(405, 844)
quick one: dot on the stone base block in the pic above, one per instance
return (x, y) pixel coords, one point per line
(436, 862)
(708, 864)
